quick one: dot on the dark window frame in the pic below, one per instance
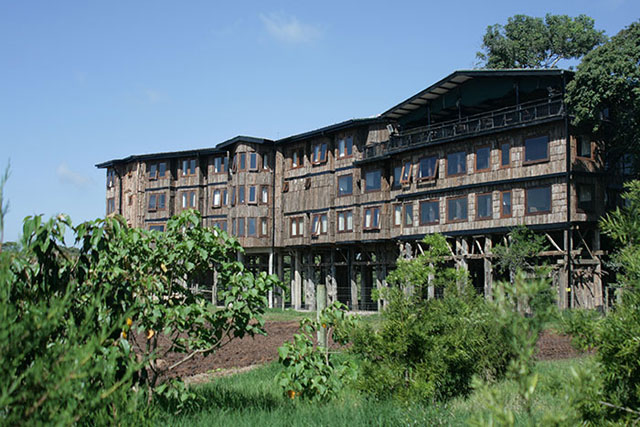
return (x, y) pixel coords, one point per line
(490, 216)
(344, 213)
(502, 214)
(424, 202)
(373, 210)
(340, 194)
(299, 152)
(157, 226)
(526, 162)
(323, 148)
(190, 162)
(581, 206)
(526, 201)
(255, 226)
(213, 198)
(451, 199)
(393, 220)
(264, 189)
(348, 146)
(475, 165)
(435, 168)
(464, 162)
(299, 221)
(318, 217)
(579, 153)
(502, 145)
(407, 166)
(404, 215)
(264, 220)
(255, 195)
(366, 181)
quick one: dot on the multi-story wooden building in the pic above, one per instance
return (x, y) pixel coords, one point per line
(471, 156)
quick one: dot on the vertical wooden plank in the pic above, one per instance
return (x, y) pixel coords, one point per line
(354, 285)
(488, 268)
(296, 297)
(598, 295)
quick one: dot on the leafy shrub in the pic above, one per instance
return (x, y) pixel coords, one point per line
(67, 319)
(429, 349)
(310, 371)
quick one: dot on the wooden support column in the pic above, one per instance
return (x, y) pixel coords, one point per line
(462, 249)
(331, 282)
(354, 286)
(309, 284)
(296, 290)
(488, 269)
(379, 285)
(598, 295)
(271, 271)
(431, 289)
(214, 288)
(279, 296)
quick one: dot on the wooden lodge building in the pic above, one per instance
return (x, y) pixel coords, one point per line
(471, 156)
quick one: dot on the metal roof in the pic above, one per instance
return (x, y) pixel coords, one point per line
(456, 79)
(329, 129)
(158, 156)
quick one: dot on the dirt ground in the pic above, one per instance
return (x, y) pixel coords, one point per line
(243, 354)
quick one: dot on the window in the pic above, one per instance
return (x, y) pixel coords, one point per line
(319, 153)
(538, 200)
(397, 176)
(156, 227)
(505, 204)
(408, 215)
(345, 221)
(111, 177)
(371, 218)
(264, 227)
(264, 195)
(505, 157)
(345, 185)
(484, 206)
(585, 197)
(427, 168)
(130, 200)
(253, 161)
(456, 163)
(265, 161)
(536, 149)
(222, 225)
(373, 180)
(188, 167)
(233, 227)
(242, 159)
(252, 195)
(252, 230)
(345, 147)
(297, 226)
(457, 209)
(220, 164)
(429, 212)
(240, 227)
(483, 159)
(225, 197)
(111, 205)
(397, 215)
(297, 158)
(241, 198)
(233, 196)
(406, 172)
(188, 199)
(584, 147)
(319, 224)
(156, 202)
(157, 170)
(217, 200)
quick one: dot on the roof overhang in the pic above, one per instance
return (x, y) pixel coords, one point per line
(455, 79)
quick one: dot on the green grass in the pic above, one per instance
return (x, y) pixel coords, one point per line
(254, 398)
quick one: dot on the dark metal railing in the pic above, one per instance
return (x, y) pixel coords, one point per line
(492, 120)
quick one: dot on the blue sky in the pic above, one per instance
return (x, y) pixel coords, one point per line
(84, 82)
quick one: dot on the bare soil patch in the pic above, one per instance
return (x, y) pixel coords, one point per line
(244, 354)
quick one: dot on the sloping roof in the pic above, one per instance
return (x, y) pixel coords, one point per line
(456, 79)
(166, 155)
(329, 129)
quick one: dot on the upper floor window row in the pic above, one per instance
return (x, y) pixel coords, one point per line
(188, 167)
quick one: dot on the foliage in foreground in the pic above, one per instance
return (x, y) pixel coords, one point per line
(77, 332)
(427, 350)
(310, 369)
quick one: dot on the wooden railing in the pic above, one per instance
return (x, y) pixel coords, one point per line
(493, 120)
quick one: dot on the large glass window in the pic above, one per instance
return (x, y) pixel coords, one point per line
(252, 194)
(253, 161)
(484, 206)
(189, 167)
(456, 163)
(536, 149)
(251, 227)
(345, 221)
(408, 215)
(345, 185)
(538, 200)
(156, 227)
(372, 218)
(483, 159)
(319, 224)
(397, 176)
(505, 204)
(457, 209)
(373, 180)
(220, 164)
(429, 212)
(428, 167)
(397, 215)
(241, 198)
(584, 147)
(345, 147)
(156, 202)
(319, 153)
(264, 194)
(297, 158)
(406, 172)
(297, 226)
(585, 197)
(505, 157)
(264, 227)
(241, 227)
(111, 205)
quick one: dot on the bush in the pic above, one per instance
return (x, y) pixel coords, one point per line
(430, 349)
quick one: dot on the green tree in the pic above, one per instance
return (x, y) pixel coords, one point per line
(531, 42)
(519, 252)
(604, 96)
(4, 205)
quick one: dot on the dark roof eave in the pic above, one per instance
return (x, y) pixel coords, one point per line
(159, 156)
(330, 129)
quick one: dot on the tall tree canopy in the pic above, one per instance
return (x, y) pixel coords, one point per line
(604, 96)
(530, 42)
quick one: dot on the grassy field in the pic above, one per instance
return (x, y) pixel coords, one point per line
(254, 398)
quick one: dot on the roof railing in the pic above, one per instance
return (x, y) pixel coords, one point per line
(484, 122)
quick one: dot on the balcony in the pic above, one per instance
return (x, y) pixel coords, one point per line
(504, 118)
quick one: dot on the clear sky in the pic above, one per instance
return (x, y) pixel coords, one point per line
(84, 81)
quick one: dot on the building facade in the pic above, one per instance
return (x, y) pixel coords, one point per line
(471, 156)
